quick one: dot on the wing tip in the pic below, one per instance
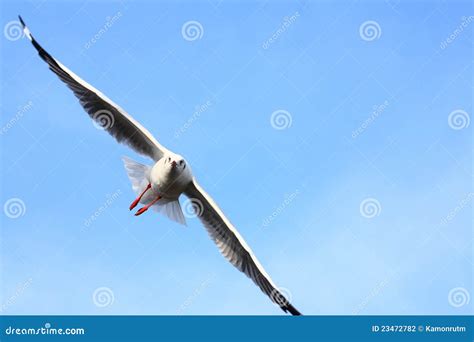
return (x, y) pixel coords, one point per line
(291, 309)
(26, 31)
(21, 21)
(283, 302)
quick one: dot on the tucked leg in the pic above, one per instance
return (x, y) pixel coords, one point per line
(145, 208)
(134, 204)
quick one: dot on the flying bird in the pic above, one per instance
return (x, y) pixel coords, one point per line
(160, 185)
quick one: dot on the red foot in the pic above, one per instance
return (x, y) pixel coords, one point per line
(145, 208)
(141, 211)
(135, 203)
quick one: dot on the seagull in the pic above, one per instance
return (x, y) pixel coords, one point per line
(160, 185)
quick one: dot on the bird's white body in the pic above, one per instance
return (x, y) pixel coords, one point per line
(160, 185)
(169, 181)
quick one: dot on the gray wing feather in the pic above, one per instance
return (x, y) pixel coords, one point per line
(233, 246)
(108, 115)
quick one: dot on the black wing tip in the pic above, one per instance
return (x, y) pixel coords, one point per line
(42, 52)
(26, 31)
(278, 298)
(291, 309)
(21, 21)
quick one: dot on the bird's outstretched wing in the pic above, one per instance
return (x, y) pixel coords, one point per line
(233, 246)
(106, 113)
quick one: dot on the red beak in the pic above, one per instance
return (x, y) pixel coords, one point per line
(173, 163)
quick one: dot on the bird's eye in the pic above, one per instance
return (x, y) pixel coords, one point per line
(181, 162)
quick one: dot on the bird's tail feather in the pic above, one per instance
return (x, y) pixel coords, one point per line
(171, 209)
(137, 173)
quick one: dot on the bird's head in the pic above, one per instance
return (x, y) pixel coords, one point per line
(175, 164)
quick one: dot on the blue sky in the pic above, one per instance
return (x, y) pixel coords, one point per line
(373, 102)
